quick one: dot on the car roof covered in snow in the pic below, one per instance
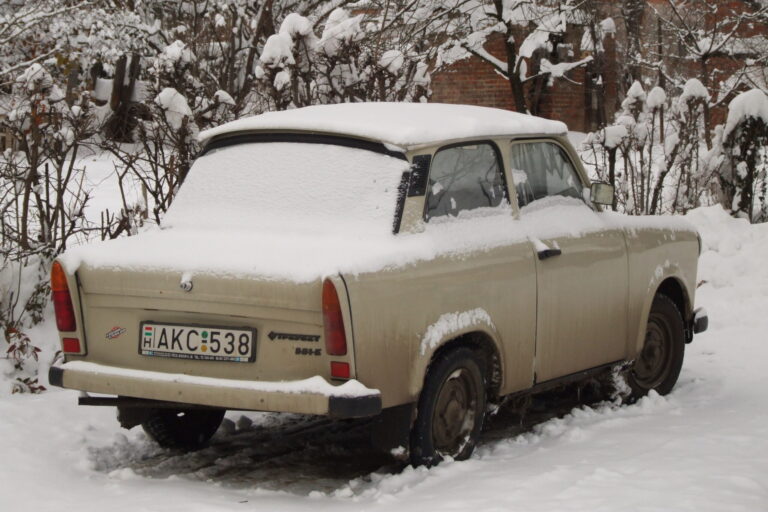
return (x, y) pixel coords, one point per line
(401, 124)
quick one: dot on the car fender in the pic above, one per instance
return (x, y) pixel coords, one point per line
(663, 272)
(472, 327)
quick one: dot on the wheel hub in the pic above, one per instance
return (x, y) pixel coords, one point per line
(653, 364)
(454, 414)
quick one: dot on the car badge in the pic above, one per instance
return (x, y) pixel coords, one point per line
(115, 332)
(186, 284)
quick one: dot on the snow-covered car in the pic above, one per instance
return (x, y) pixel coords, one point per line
(412, 262)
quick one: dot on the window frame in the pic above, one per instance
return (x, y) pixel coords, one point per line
(499, 162)
(575, 164)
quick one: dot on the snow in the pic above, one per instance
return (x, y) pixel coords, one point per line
(35, 78)
(702, 448)
(392, 61)
(608, 26)
(224, 97)
(299, 187)
(656, 98)
(296, 26)
(177, 53)
(558, 70)
(278, 50)
(753, 103)
(195, 242)
(175, 106)
(693, 90)
(282, 80)
(102, 91)
(402, 124)
(452, 323)
(340, 29)
(613, 135)
(313, 385)
(636, 92)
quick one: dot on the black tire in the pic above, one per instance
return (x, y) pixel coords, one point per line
(451, 409)
(658, 365)
(183, 429)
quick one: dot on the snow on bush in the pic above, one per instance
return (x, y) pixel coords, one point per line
(750, 104)
(655, 157)
(744, 144)
(175, 106)
(694, 90)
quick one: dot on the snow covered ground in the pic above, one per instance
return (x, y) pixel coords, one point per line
(702, 448)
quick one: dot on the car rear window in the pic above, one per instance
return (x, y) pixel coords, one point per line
(290, 186)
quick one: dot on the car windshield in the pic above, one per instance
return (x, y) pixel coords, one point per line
(288, 186)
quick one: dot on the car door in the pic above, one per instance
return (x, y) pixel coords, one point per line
(581, 266)
(467, 186)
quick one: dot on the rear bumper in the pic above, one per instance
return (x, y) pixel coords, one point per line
(700, 320)
(311, 396)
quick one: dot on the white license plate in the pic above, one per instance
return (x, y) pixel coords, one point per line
(198, 342)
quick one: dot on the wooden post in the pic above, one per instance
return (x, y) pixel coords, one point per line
(117, 83)
(73, 81)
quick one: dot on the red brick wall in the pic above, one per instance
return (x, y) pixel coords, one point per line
(474, 82)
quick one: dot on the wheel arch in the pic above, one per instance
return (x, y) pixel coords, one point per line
(482, 342)
(675, 288)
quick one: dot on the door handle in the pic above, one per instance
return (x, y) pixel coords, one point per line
(549, 253)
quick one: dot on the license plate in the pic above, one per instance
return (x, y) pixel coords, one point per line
(198, 342)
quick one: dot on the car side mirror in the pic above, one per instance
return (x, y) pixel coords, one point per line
(602, 193)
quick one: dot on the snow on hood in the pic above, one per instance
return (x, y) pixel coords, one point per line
(401, 124)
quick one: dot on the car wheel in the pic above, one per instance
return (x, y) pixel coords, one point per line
(450, 409)
(184, 429)
(658, 365)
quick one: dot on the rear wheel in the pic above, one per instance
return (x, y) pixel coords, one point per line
(450, 410)
(658, 365)
(184, 429)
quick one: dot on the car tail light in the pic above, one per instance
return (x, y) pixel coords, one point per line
(70, 346)
(62, 301)
(333, 322)
(339, 370)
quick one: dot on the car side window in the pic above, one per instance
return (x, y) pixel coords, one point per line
(464, 178)
(542, 169)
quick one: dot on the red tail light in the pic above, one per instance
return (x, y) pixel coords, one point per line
(339, 370)
(335, 338)
(62, 302)
(70, 346)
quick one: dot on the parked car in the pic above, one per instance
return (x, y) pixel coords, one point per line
(412, 262)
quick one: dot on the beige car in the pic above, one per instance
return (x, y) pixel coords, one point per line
(412, 262)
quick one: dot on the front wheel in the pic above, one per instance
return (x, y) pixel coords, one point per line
(658, 365)
(183, 429)
(450, 410)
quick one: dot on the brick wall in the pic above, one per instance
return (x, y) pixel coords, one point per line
(475, 82)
